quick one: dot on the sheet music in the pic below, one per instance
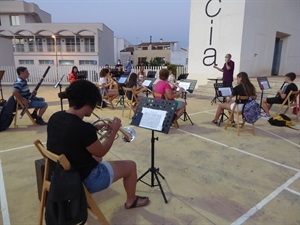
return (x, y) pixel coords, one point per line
(184, 85)
(146, 83)
(122, 80)
(265, 85)
(225, 91)
(152, 118)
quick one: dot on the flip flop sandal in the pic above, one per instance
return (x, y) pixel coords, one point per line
(135, 203)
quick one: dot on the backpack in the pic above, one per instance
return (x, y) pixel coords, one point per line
(66, 201)
(7, 113)
(251, 111)
(280, 120)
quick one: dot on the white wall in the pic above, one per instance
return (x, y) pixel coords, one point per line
(6, 53)
(247, 29)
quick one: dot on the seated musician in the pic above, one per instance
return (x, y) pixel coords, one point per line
(244, 88)
(69, 134)
(104, 84)
(172, 79)
(133, 83)
(141, 75)
(163, 87)
(72, 76)
(21, 91)
(287, 86)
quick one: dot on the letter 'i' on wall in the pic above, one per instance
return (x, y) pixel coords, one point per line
(210, 54)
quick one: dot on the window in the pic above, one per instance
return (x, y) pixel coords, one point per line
(58, 44)
(77, 45)
(145, 48)
(50, 45)
(142, 60)
(18, 44)
(31, 45)
(66, 62)
(70, 44)
(46, 62)
(26, 62)
(87, 62)
(89, 44)
(14, 20)
(39, 44)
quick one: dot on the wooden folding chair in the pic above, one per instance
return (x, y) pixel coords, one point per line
(20, 105)
(289, 103)
(240, 122)
(161, 96)
(62, 159)
(105, 96)
(130, 102)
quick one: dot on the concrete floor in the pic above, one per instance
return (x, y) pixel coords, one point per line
(212, 175)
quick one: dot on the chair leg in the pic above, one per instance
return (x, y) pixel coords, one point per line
(94, 208)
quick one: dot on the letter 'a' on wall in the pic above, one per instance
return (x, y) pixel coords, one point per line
(243, 29)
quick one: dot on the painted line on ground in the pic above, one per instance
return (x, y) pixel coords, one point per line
(3, 199)
(293, 191)
(266, 200)
(19, 148)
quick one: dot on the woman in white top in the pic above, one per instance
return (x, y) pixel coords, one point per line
(141, 75)
(104, 85)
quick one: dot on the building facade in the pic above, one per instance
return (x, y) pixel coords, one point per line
(262, 37)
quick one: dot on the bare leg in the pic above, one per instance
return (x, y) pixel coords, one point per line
(220, 109)
(42, 111)
(266, 106)
(126, 169)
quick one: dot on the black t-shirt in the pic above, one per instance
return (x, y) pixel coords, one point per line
(239, 90)
(290, 87)
(68, 134)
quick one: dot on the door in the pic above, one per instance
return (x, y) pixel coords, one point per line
(276, 56)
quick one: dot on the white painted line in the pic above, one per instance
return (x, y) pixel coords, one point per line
(293, 191)
(266, 200)
(239, 150)
(18, 148)
(3, 200)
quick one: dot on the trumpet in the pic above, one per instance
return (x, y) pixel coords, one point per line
(128, 132)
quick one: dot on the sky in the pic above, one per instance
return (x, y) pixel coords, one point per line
(133, 20)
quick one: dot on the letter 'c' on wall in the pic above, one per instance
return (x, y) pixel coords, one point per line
(210, 14)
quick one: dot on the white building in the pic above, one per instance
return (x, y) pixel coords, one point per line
(262, 37)
(37, 41)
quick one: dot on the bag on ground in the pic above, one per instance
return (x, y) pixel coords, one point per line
(251, 111)
(66, 201)
(7, 113)
(280, 120)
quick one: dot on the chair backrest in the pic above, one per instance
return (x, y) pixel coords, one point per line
(133, 93)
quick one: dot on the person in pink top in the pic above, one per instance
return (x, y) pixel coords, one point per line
(163, 87)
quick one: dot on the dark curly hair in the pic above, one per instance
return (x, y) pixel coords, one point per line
(82, 92)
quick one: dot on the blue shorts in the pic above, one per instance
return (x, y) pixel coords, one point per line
(100, 177)
(37, 102)
(180, 104)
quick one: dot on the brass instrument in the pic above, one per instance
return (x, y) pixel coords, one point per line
(128, 132)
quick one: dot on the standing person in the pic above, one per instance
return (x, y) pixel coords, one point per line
(68, 134)
(244, 88)
(72, 76)
(21, 91)
(288, 86)
(227, 70)
(128, 66)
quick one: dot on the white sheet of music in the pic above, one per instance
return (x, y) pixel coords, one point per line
(225, 91)
(152, 118)
(265, 85)
(184, 85)
(146, 83)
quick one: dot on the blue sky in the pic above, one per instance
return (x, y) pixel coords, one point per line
(133, 20)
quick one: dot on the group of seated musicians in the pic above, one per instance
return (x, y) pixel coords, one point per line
(246, 88)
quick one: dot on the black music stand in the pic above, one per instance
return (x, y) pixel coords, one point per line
(1, 76)
(222, 92)
(182, 76)
(263, 85)
(151, 74)
(148, 82)
(190, 89)
(60, 95)
(147, 116)
(121, 83)
(214, 100)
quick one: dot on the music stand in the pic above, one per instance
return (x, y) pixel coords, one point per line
(214, 100)
(148, 82)
(183, 76)
(156, 115)
(188, 86)
(222, 92)
(1, 76)
(263, 85)
(121, 83)
(60, 92)
(151, 74)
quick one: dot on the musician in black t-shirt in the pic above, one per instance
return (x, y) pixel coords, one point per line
(244, 88)
(288, 86)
